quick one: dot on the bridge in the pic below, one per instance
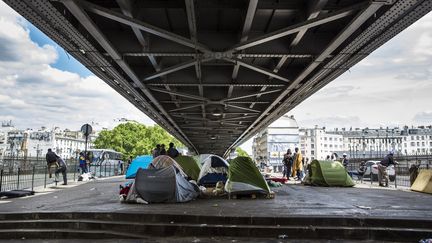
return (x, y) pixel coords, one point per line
(215, 72)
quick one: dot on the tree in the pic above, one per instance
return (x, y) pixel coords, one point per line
(133, 139)
(241, 152)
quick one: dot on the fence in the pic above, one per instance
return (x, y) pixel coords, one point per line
(401, 170)
(27, 173)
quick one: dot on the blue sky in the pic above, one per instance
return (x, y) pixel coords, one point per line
(44, 86)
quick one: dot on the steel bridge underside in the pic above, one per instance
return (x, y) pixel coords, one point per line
(215, 72)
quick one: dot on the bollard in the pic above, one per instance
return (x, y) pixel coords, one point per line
(46, 170)
(18, 180)
(1, 179)
(33, 173)
(395, 175)
(105, 169)
(75, 170)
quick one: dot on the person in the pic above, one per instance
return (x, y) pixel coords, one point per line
(172, 151)
(83, 163)
(328, 157)
(156, 151)
(51, 159)
(162, 150)
(62, 168)
(288, 162)
(413, 172)
(382, 168)
(297, 165)
(128, 163)
(345, 160)
(361, 170)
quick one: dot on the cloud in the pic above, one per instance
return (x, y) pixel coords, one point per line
(33, 93)
(424, 118)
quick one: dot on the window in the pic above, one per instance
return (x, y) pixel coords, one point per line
(340, 139)
(312, 152)
(331, 146)
(417, 137)
(412, 137)
(331, 139)
(406, 144)
(325, 138)
(422, 137)
(313, 145)
(418, 143)
(423, 143)
(404, 138)
(412, 143)
(325, 145)
(430, 143)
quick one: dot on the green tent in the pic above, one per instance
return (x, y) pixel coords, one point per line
(189, 165)
(244, 177)
(328, 173)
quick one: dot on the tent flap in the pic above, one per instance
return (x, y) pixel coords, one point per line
(244, 176)
(190, 166)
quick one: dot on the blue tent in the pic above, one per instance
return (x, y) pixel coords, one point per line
(142, 161)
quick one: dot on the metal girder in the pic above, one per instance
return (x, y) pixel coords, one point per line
(219, 84)
(185, 107)
(172, 69)
(314, 9)
(245, 33)
(358, 20)
(297, 27)
(190, 96)
(91, 27)
(242, 108)
(199, 55)
(251, 95)
(257, 69)
(107, 13)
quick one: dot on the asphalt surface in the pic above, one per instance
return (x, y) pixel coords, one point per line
(290, 200)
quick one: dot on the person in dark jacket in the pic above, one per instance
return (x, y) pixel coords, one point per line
(163, 150)
(156, 151)
(61, 169)
(51, 159)
(288, 162)
(172, 151)
(382, 168)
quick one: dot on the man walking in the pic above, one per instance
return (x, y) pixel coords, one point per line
(382, 168)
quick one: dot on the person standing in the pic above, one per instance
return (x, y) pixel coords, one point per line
(162, 150)
(51, 159)
(172, 151)
(297, 164)
(61, 169)
(83, 163)
(156, 151)
(382, 168)
(345, 160)
(288, 162)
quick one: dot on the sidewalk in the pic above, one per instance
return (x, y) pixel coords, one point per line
(290, 200)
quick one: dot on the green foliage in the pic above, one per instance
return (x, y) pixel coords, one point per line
(133, 139)
(241, 152)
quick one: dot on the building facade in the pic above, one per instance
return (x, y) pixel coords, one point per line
(271, 144)
(317, 143)
(35, 143)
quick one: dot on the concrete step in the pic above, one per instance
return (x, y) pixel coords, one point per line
(63, 225)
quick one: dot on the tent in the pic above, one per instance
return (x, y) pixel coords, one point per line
(164, 185)
(142, 161)
(423, 182)
(190, 166)
(244, 177)
(202, 158)
(214, 169)
(163, 161)
(328, 173)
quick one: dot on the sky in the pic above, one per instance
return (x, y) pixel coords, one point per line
(41, 85)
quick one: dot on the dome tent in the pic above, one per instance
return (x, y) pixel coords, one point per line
(190, 166)
(328, 173)
(214, 169)
(142, 161)
(163, 161)
(244, 177)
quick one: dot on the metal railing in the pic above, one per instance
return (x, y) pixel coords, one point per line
(402, 175)
(28, 173)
